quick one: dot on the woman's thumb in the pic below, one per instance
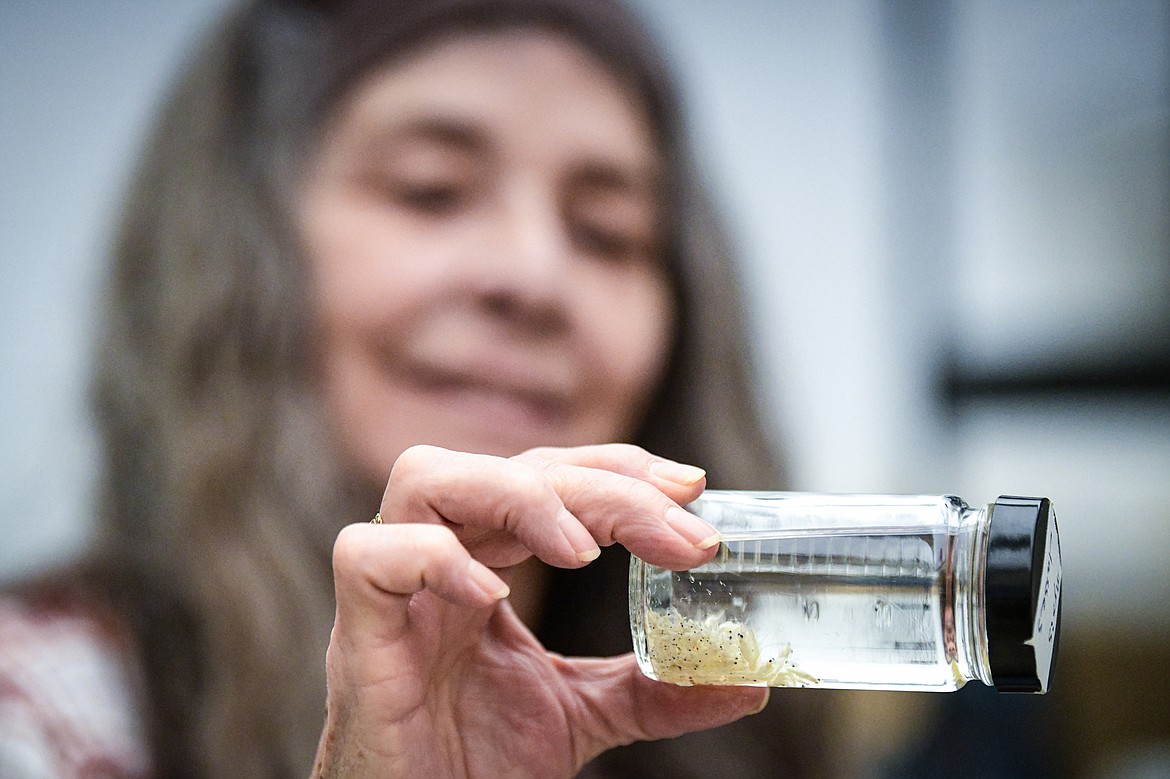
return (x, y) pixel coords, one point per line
(620, 705)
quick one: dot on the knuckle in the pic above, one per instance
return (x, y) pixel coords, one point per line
(532, 486)
(543, 457)
(539, 453)
(624, 498)
(639, 498)
(628, 451)
(614, 454)
(349, 549)
(437, 551)
(418, 457)
(414, 462)
(434, 542)
(530, 492)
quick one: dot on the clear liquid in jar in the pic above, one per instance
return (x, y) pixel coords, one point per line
(817, 610)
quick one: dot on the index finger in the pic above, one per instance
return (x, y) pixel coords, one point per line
(624, 510)
(681, 482)
(624, 494)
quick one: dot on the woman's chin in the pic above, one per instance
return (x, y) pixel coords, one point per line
(467, 420)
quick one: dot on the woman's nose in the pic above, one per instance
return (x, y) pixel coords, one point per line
(526, 273)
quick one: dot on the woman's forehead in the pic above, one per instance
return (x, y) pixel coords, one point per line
(528, 84)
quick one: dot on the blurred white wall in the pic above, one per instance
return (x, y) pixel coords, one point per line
(78, 84)
(983, 186)
(974, 181)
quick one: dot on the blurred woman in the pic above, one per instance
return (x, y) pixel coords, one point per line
(459, 245)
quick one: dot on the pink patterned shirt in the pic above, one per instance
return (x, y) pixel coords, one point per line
(67, 703)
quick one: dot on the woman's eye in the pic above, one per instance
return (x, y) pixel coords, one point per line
(429, 198)
(612, 224)
(424, 195)
(604, 241)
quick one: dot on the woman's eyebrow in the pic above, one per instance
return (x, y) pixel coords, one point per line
(593, 172)
(613, 177)
(444, 131)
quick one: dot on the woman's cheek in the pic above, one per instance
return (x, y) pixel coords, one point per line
(633, 334)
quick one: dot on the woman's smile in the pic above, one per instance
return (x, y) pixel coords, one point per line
(489, 386)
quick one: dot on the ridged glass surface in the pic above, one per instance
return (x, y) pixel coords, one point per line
(850, 596)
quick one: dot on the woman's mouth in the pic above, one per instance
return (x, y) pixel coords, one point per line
(491, 390)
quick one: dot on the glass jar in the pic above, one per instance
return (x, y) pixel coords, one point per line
(860, 592)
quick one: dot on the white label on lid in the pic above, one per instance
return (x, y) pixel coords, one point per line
(1048, 608)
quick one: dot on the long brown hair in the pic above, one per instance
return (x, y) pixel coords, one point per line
(222, 494)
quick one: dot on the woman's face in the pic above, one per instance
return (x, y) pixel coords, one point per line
(483, 225)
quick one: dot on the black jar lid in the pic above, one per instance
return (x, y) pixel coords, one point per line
(1022, 588)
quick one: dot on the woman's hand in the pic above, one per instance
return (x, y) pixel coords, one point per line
(432, 674)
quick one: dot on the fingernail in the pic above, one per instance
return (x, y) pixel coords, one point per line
(578, 537)
(696, 531)
(764, 703)
(678, 473)
(487, 581)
